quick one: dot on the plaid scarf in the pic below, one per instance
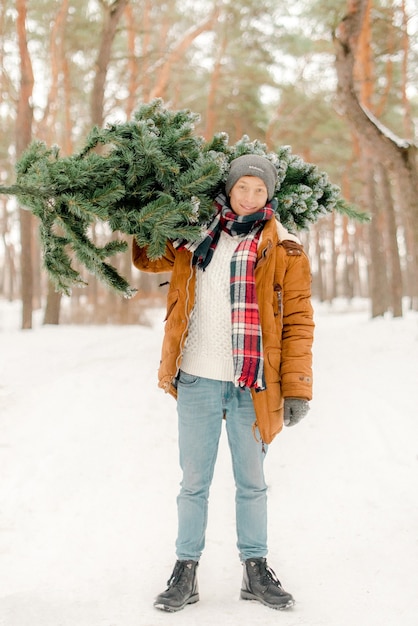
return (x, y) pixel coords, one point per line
(247, 347)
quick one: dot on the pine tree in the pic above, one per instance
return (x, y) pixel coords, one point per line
(152, 178)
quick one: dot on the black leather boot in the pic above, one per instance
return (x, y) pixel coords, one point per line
(182, 588)
(261, 583)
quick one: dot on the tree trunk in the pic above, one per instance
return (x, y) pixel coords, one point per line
(377, 266)
(393, 261)
(113, 13)
(398, 155)
(146, 49)
(407, 116)
(347, 263)
(360, 252)
(132, 77)
(48, 124)
(332, 290)
(8, 278)
(24, 120)
(53, 305)
(214, 87)
(60, 75)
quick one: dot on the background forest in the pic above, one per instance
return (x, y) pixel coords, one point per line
(337, 81)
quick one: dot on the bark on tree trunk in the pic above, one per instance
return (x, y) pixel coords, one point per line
(213, 88)
(393, 261)
(332, 290)
(113, 13)
(347, 261)
(407, 116)
(377, 266)
(146, 49)
(132, 78)
(24, 120)
(8, 277)
(53, 305)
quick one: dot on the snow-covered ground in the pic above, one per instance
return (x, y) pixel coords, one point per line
(89, 478)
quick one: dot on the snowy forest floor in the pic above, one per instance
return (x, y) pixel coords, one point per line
(89, 478)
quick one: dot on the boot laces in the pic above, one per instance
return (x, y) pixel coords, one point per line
(177, 574)
(268, 575)
(178, 569)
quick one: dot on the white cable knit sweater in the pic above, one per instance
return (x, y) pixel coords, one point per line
(208, 349)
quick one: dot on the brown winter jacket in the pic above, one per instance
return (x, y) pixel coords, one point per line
(283, 285)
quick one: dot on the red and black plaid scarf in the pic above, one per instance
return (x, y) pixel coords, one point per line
(247, 344)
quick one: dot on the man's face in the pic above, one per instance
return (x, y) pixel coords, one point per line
(248, 195)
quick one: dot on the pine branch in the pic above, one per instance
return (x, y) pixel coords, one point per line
(154, 179)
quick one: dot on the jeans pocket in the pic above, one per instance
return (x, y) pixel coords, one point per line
(187, 379)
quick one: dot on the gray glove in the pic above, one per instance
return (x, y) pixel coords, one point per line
(294, 410)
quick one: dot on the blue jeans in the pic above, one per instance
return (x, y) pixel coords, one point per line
(201, 405)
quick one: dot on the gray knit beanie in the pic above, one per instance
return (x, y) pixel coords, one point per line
(252, 165)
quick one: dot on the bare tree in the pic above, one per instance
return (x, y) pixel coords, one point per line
(393, 260)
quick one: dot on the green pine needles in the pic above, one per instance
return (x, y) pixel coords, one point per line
(151, 178)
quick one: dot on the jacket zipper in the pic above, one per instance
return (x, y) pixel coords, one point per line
(279, 292)
(186, 326)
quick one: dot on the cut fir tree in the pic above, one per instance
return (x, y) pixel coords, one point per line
(151, 178)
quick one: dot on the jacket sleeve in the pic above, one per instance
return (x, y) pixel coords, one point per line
(298, 328)
(143, 263)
